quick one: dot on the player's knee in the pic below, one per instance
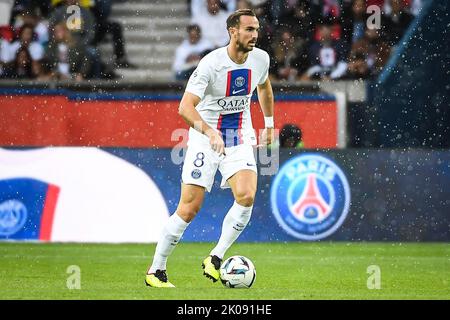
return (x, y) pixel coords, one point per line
(188, 212)
(245, 198)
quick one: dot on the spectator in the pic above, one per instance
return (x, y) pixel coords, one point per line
(66, 56)
(25, 41)
(375, 50)
(289, 55)
(325, 11)
(22, 66)
(396, 22)
(42, 8)
(327, 57)
(199, 7)
(189, 53)
(82, 31)
(46, 73)
(357, 67)
(297, 17)
(212, 23)
(291, 136)
(102, 11)
(40, 25)
(354, 21)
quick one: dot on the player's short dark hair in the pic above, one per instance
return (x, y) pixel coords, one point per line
(234, 19)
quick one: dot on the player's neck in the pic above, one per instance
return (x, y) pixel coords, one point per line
(237, 56)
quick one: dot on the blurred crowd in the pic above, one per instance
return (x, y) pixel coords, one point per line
(306, 39)
(58, 39)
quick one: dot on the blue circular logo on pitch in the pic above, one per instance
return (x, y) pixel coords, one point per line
(310, 197)
(13, 216)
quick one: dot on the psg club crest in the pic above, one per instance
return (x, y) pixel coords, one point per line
(13, 216)
(310, 197)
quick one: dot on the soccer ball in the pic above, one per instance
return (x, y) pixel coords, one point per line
(237, 272)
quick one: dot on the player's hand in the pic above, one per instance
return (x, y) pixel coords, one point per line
(216, 141)
(267, 136)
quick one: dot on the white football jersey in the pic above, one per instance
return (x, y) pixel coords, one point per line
(225, 89)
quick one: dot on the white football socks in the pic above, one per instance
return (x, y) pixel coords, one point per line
(234, 223)
(168, 239)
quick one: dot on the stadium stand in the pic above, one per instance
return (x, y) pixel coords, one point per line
(153, 31)
(141, 37)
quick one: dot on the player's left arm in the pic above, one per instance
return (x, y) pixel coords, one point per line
(266, 101)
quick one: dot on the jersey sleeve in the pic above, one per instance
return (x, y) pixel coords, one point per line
(199, 80)
(265, 74)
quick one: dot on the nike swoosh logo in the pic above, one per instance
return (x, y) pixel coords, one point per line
(234, 92)
(250, 164)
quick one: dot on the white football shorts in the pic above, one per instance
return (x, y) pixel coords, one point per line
(201, 164)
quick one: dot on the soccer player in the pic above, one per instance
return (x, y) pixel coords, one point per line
(216, 105)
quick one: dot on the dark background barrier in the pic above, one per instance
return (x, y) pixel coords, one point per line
(396, 195)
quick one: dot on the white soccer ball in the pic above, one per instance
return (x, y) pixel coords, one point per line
(237, 272)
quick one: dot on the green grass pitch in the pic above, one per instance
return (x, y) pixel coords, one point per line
(294, 271)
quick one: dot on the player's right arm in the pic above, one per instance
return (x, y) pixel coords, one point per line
(191, 116)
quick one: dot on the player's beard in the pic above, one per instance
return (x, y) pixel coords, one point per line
(244, 47)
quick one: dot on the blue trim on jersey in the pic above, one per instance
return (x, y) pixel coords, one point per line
(230, 126)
